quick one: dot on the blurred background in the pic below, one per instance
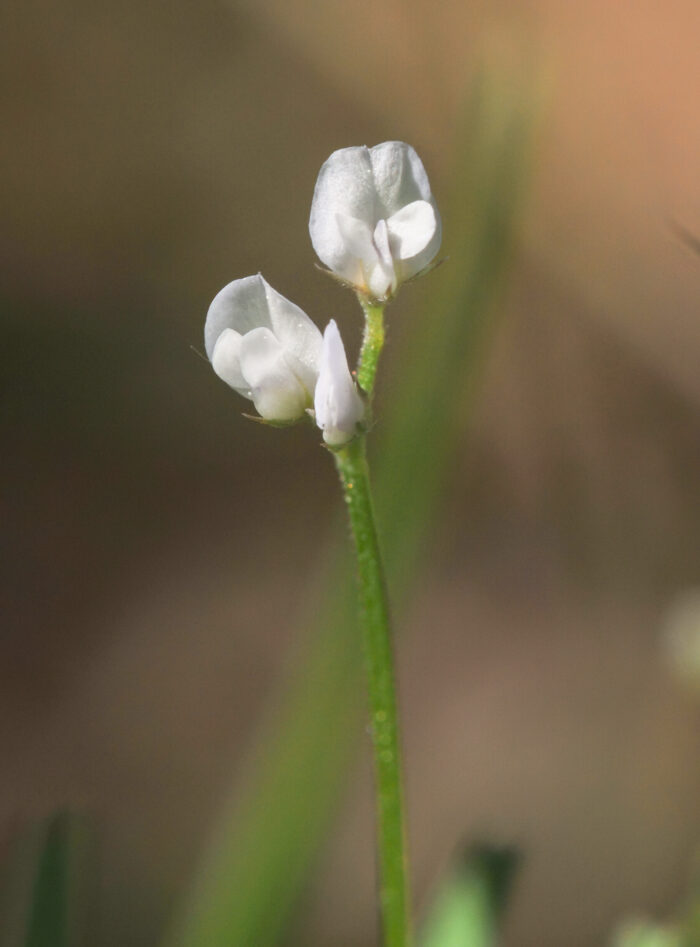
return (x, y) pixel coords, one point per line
(162, 554)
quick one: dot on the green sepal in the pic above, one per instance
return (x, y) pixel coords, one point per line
(360, 293)
(268, 423)
(427, 269)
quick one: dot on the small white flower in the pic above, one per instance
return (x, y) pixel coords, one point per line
(264, 347)
(337, 403)
(374, 221)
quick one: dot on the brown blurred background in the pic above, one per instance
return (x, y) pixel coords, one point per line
(158, 548)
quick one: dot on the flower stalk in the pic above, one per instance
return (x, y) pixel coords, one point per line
(351, 462)
(372, 343)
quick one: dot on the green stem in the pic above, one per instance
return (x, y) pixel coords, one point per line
(351, 462)
(372, 343)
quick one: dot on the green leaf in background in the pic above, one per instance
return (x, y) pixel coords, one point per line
(691, 908)
(471, 902)
(44, 897)
(682, 930)
(646, 934)
(264, 846)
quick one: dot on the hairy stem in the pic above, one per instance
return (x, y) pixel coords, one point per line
(372, 343)
(351, 462)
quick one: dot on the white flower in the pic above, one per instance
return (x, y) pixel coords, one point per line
(264, 347)
(374, 221)
(337, 403)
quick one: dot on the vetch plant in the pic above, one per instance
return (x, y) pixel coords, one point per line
(374, 222)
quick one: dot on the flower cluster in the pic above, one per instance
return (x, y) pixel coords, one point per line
(374, 223)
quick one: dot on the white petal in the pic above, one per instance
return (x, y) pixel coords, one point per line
(338, 406)
(242, 305)
(381, 280)
(380, 284)
(358, 239)
(276, 391)
(381, 242)
(401, 180)
(399, 176)
(405, 269)
(411, 229)
(299, 337)
(226, 360)
(345, 187)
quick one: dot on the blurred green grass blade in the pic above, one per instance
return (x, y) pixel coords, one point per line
(263, 848)
(691, 924)
(683, 930)
(645, 934)
(690, 912)
(437, 371)
(44, 895)
(47, 924)
(471, 902)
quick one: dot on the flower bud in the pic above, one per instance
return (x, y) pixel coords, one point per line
(337, 404)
